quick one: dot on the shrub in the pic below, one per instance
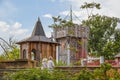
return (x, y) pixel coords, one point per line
(37, 74)
(85, 75)
(104, 73)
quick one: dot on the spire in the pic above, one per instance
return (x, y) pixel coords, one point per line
(38, 29)
(70, 12)
(38, 19)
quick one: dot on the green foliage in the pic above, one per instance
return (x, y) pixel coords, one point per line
(109, 50)
(85, 75)
(37, 74)
(14, 54)
(60, 63)
(60, 75)
(98, 74)
(59, 23)
(32, 74)
(102, 39)
(11, 50)
(104, 73)
(102, 28)
(112, 47)
(105, 67)
(90, 5)
(101, 73)
(77, 63)
(113, 74)
(116, 41)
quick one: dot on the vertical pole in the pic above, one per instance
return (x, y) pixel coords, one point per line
(101, 59)
(82, 42)
(57, 54)
(71, 13)
(83, 47)
(68, 54)
(21, 52)
(29, 55)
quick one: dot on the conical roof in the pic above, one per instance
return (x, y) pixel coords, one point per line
(38, 29)
(38, 35)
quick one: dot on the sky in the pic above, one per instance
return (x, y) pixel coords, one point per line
(18, 17)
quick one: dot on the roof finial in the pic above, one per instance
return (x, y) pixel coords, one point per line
(70, 12)
(38, 19)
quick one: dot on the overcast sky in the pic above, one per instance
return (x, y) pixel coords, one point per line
(18, 17)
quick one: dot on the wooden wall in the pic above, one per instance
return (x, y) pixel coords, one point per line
(48, 50)
(42, 50)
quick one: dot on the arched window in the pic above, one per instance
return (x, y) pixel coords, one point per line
(33, 54)
(24, 54)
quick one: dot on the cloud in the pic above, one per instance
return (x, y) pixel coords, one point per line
(112, 7)
(48, 34)
(77, 3)
(65, 13)
(109, 7)
(76, 13)
(47, 15)
(15, 29)
(3, 26)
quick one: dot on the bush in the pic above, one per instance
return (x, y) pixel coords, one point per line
(37, 74)
(85, 75)
(31, 74)
(104, 73)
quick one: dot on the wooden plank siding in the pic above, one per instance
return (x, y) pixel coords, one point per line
(42, 50)
(37, 46)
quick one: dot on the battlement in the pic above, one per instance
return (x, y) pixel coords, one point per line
(75, 31)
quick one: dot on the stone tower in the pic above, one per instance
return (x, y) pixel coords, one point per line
(73, 43)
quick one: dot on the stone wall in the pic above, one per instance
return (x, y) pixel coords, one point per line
(19, 63)
(78, 68)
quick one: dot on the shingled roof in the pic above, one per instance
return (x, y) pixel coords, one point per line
(38, 29)
(38, 35)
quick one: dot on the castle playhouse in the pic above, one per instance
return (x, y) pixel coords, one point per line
(73, 43)
(67, 48)
(37, 46)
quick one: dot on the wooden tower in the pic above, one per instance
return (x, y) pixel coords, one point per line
(37, 46)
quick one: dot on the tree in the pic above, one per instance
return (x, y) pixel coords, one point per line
(11, 50)
(116, 41)
(59, 22)
(90, 7)
(102, 31)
